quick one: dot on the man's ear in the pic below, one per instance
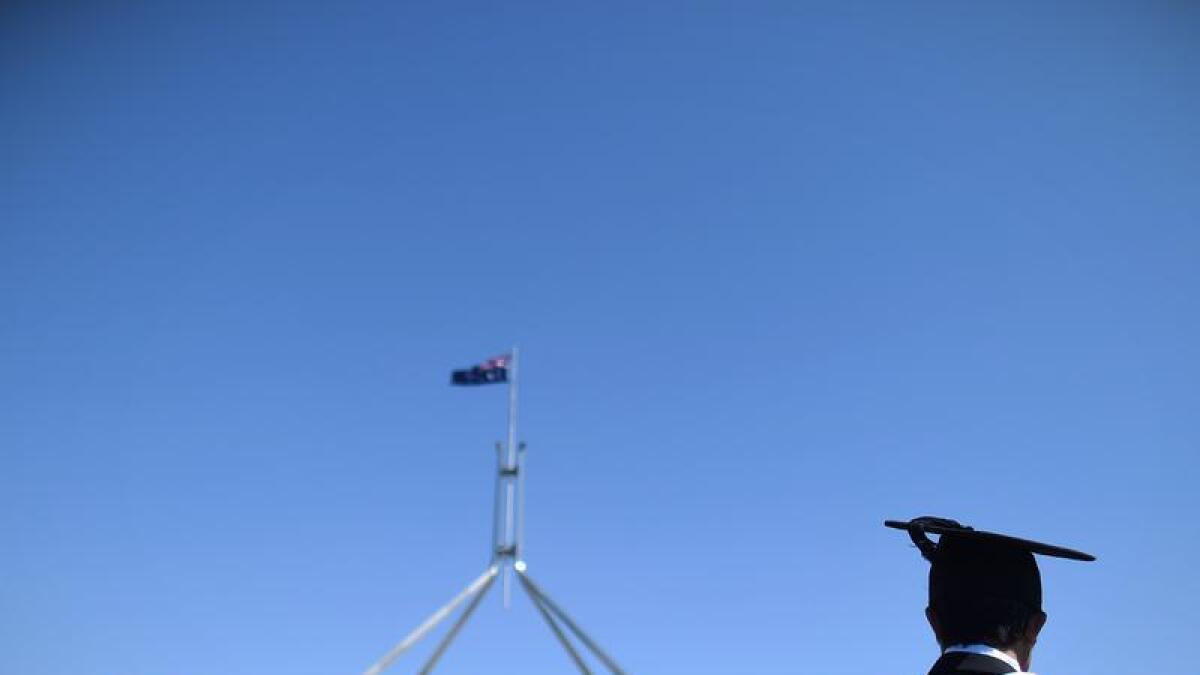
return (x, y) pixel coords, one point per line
(1036, 622)
(931, 617)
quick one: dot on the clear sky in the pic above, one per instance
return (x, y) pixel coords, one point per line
(779, 271)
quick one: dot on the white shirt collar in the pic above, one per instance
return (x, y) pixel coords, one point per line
(987, 651)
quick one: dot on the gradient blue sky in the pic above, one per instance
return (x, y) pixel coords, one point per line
(779, 271)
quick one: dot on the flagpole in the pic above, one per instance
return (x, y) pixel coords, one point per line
(508, 538)
(519, 459)
(512, 410)
(512, 464)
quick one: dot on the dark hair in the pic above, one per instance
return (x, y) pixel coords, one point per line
(991, 621)
(983, 592)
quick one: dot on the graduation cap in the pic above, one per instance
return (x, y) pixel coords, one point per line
(969, 567)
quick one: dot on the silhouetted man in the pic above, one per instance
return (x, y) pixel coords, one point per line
(985, 595)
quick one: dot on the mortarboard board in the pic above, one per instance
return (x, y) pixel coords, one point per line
(917, 527)
(969, 565)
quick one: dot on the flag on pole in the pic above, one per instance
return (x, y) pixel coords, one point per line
(491, 371)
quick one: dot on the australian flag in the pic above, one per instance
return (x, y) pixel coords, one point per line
(491, 371)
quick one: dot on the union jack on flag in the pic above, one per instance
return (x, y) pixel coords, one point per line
(497, 361)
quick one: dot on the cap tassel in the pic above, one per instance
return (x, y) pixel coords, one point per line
(916, 532)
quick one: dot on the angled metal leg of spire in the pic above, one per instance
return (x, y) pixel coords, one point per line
(462, 621)
(562, 638)
(533, 589)
(432, 622)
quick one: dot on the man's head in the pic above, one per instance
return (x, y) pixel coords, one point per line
(984, 588)
(982, 592)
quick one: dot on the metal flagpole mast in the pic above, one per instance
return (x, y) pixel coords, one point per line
(512, 409)
(511, 538)
(519, 458)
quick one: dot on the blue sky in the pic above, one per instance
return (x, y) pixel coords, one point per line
(778, 272)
